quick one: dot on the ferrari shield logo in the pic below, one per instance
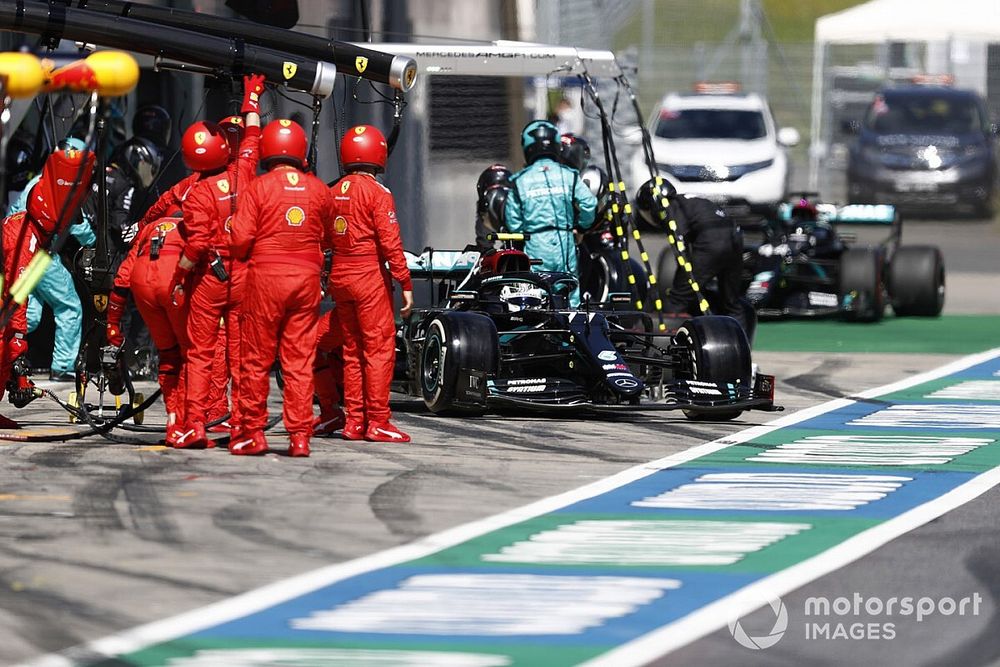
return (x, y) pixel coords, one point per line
(340, 225)
(295, 216)
(199, 137)
(344, 186)
(101, 302)
(360, 129)
(361, 63)
(292, 177)
(223, 186)
(288, 69)
(284, 122)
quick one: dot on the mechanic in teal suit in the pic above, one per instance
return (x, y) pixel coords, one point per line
(57, 290)
(549, 201)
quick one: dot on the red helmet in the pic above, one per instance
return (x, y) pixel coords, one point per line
(283, 140)
(233, 127)
(363, 146)
(204, 146)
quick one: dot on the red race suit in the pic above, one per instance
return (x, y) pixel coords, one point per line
(283, 224)
(366, 237)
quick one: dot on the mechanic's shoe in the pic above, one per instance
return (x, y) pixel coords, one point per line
(385, 432)
(192, 437)
(62, 376)
(299, 445)
(9, 424)
(327, 424)
(353, 431)
(222, 427)
(249, 445)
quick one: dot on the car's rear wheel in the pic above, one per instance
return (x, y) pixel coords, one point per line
(916, 281)
(861, 285)
(719, 352)
(454, 344)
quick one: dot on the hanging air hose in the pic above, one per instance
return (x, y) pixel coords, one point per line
(619, 214)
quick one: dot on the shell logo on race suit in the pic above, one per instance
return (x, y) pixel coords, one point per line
(166, 227)
(292, 177)
(223, 185)
(228, 225)
(295, 216)
(340, 225)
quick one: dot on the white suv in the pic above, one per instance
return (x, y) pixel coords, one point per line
(719, 146)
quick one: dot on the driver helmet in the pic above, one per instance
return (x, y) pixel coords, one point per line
(804, 210)
(649, 200)
(495, 176)
(519, 298)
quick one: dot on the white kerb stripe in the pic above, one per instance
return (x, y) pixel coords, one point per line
(871, 450)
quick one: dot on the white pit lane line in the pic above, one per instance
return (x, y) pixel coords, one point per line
(670, 637)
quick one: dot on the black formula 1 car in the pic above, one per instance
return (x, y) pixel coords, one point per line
(802, 263)
(492, 333)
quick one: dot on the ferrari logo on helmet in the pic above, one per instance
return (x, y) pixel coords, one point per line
(340, 225)
(223, 186)
(344, 186)
(295, 216)
(293, 177)
(361, 63)
(199, 137)
(360, 129)
(101, 302)
(284, 122)
(288, 69)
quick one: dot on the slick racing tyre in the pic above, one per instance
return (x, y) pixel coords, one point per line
(456, 343)
(861, 285)
(719, 352)
(916, 281)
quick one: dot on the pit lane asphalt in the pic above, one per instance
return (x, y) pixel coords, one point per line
(97, 537)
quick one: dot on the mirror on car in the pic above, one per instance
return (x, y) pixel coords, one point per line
(850, 126)
(788, 137)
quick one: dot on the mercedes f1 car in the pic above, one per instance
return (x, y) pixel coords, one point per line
(492, 333)
(802, 263)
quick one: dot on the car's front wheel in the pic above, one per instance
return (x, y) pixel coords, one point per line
(457, 346)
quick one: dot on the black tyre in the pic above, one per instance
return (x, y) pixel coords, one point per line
(607, 273)
(861, 284)
(916, 281)
(719, 352)
(455, 341)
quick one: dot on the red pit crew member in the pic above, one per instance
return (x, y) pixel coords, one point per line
(206, 271)
(328, 374)
(366, 236)
(54, 201)
(148, 270)
(282, 227)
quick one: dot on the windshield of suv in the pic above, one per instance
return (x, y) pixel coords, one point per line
(923, 114)
(711, 124)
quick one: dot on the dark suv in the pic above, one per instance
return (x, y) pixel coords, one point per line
(924, 146)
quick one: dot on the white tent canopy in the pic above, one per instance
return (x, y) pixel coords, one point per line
(880, 21)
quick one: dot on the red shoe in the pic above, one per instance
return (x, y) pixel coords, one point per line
(328, 424)
(385, 432)
(192, 437)
(221, 427)
(353, 431)
(249, 445)
(9, 424)
(299, 445)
